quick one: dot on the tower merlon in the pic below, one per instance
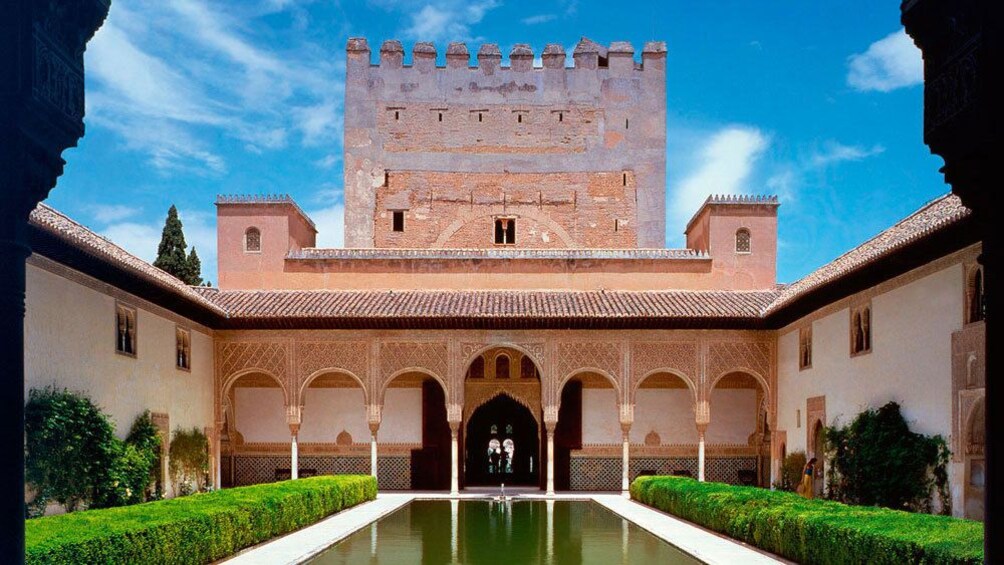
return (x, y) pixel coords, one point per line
(391, 54)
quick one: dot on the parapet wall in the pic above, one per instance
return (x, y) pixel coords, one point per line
(604, 113)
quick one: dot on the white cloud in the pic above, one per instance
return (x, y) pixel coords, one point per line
(228, 82)
(539, 19)
(444, 20)
(328, 161)
(724, 163)
(890, 63)
(835, 152)
(330, 223)
(108, 213)
(139, 239)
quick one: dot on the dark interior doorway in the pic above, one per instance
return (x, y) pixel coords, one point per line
(430, 466)
(567, 434)
(502, 445)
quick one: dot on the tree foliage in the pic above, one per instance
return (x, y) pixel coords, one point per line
(189, 460)
(194, 275)
(171, 251)
(877, 461)
(73, 457)
(69, 447)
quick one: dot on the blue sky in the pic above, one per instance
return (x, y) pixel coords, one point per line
(818, 102)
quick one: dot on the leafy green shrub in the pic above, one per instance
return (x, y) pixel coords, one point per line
(877, 460)
(70, 446)
(73, 457)
(814, 531)
(791, 470)
(194, 529)
(189, 460)
(146, 437)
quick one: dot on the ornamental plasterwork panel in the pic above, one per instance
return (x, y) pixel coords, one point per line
(525, 392)
(574, 356)
(536, 350)
(679, 357)
(268, 356)
(727, 356)
(395, 356)
(351, 356)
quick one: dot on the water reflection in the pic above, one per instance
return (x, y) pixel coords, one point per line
(510, 532)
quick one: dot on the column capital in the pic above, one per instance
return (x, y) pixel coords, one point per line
(702, 428)
(294, 429)
(454, 414)
(294, 415)
(550, 416)
(626, 416)
(702, 413)
(374, 414)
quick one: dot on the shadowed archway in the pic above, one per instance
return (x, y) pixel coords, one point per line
(502, 445)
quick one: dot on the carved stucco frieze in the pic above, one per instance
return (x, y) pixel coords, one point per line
(432, 357)
(347, 356)
(680, 358)
(579, 356)
(239, 357)
(724, 357)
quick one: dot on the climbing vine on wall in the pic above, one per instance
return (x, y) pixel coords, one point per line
(189, 461)
(877, 460)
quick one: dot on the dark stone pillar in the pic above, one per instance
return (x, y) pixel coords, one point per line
(41, 114)
(961, 42)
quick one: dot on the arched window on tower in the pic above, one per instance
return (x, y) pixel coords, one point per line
(252, 240)
(742, 240)
(502, 367)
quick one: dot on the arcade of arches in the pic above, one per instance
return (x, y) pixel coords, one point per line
(444, 410)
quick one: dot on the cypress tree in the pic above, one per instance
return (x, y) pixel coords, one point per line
(171, 251)
(194, 269)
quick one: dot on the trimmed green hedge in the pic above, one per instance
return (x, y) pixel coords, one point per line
(814, 531)
(192, 529)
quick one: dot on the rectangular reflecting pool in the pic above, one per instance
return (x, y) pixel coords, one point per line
(511, 533)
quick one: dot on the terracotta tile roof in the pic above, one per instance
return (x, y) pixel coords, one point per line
(61, 226)
(493, 253)
(932, 217)
(487, 304)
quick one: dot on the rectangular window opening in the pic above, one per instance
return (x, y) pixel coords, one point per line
(183, 345)
(627, 123)
(519, 118)
(125, 330)
(480, 117)
(617, 225)
(397, 115)
(440, 116)
(624, 179)
(398, 220)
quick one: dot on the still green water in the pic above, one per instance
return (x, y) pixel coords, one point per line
(434, 532)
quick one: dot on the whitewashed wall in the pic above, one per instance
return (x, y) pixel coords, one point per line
(733, 416)
(70, 343)
(910, 361)
(667, 412)
(261, 416)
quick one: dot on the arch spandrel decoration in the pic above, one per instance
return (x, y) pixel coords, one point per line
(739, 356)
(580, 356)
(432, 358)
(347, 356)
(236, 358)
(676, 358)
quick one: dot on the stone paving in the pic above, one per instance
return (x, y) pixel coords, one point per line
(303, 544)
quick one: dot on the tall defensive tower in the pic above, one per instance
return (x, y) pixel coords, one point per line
(480, 156)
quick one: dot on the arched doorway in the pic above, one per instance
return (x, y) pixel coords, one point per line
(502, 445)
(819, 452)
(975, 480)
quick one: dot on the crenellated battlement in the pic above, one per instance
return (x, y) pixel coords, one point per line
(587, 54)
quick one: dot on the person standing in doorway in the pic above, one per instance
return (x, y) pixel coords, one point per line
(808, 479)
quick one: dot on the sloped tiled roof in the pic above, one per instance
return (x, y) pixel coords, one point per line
(433, 306)
(932, 217)
(487, 304)
(61, 226)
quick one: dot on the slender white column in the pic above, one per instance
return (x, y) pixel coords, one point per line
(626, 465)
(454, 464)
(373, 454)
(550, 462)
(294, 463)
(700, 455)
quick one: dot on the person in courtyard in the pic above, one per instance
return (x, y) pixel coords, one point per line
(808, 477)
